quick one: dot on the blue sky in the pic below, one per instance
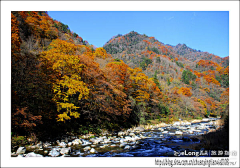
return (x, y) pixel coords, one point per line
(201, 30)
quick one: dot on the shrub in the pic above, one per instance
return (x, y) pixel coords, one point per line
(19, 140)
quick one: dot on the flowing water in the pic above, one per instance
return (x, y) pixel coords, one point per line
(156, 142)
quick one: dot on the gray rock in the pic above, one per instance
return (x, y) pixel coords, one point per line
(54, 152)
(161, 129)
(113, 145)
(142, 137)
(139, 129)
(62, 144)
(178, 133)
(87, 148)
(122, 145)
(127, 147)
(76, 142)
(45, 145)
(165, 132)
(127, 138)
(32, 154)
(93, 150)
(65, 150)
(121, 133)
(107, 141)
(21, 150)
(21, 155)
(85, 143)
(122, 140)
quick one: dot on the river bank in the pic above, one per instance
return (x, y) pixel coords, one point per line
(145, 140)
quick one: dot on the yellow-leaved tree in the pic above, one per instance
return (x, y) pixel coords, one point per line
(63, 66)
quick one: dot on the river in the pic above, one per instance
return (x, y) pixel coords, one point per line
(155, 141)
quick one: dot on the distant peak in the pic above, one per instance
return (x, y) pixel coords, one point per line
(134, 32)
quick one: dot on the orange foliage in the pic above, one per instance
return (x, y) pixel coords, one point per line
(146, 41)
(15, 39)
(197, 80)
(41, 25)
(185, 91)
(226, 71)
(207, 63)
(198, 74)
(210, 79)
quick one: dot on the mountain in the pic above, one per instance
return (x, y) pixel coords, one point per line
(127, 46)
(185, 75)
(193, 55)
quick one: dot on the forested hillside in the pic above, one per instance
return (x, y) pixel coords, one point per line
(194, 83)
(60, 81)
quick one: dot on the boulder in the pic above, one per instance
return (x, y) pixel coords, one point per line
(165, 132)
(121, 133)
(21, 155)
(127, 147)
(45, 145)
(198, 130)
(178, 132)
(139, 129)
(65, 150)
(142, 137)
(123, 144)
(205, 119)
(32, 154)
(161, 129)
(87, 148)
(21, 150)
(127, 138)
(190, 131)
(195, 121)
(62, 144)
(176, 123)
(54, 152)
(162, 125)
(76, 142)
(106, 141)
(103, 146)
(85, 142)
(93, 150)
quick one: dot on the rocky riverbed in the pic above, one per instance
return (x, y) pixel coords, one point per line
(151, 140)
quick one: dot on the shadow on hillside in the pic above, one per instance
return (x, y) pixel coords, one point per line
(218, 140)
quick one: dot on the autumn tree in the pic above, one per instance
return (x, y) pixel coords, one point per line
(65, 65)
